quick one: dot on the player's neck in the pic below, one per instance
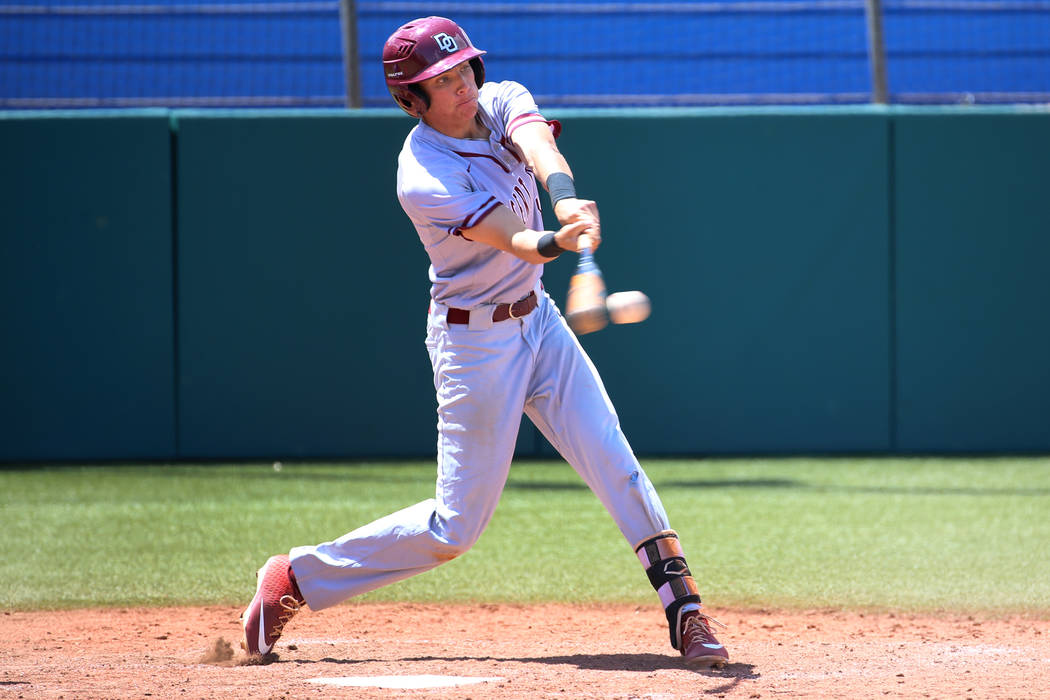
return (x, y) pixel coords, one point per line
(473, 129)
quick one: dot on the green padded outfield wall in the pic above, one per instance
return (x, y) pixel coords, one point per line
(302, 289)
(972, 193)
(761, 237)
(823, 280)
(86, 355)
(300, 283)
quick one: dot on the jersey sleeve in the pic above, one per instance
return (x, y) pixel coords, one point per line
(514, 106)
(442, 197)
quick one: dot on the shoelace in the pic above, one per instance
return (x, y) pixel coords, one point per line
(700, 620)
(291, 607)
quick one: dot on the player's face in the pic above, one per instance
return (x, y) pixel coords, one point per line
(453, 100)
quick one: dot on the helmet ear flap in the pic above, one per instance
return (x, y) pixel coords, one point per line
(411, 98)
(420, 98)
(478, 66)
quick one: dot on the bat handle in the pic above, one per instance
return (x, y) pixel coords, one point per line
(584, 244)
(587, 263)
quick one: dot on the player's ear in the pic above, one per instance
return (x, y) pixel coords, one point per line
(411, 98)
(420, 100)
(410, 106)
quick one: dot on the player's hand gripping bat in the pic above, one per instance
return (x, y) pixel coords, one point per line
(585, 306)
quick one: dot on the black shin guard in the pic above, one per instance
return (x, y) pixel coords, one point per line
(664, 563)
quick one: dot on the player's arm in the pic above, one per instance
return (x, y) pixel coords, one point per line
(501, 228)
(536, 143)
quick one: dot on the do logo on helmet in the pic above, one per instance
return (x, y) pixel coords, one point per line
(446, 43)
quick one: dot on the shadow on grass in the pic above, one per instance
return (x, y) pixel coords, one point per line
(792, 484)
(383, 472)
(580, 486)
(890, 490)
(378, 472)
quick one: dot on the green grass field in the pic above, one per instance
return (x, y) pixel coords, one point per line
(902, 534)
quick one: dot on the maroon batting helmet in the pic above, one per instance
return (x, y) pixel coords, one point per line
(421, 49)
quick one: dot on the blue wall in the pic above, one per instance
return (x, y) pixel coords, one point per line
(244, 53)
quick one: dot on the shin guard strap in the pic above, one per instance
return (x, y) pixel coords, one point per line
(665, 565)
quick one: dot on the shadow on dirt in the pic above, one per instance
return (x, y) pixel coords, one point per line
(640, 663)
(325, 660)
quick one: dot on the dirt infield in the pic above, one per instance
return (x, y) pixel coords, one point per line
(547, 651)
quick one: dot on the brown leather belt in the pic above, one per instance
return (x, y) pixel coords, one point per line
(501, 313)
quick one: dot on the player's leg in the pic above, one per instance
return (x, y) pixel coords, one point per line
(569, 405)
(480, 378)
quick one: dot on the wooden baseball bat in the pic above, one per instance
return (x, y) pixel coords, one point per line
(585, 306)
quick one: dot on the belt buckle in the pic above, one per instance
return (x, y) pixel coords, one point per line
(510, 311)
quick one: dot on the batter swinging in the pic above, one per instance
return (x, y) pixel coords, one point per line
(498, 345)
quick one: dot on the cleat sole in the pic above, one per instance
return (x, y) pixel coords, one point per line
(708, 661)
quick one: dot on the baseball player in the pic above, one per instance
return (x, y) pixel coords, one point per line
(467, 179)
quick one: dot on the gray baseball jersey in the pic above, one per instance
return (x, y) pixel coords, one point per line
(446, 185)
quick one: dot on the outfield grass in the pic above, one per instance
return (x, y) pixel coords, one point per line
(903, 534)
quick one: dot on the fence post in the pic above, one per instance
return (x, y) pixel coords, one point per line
(876, 52)
(351, 67)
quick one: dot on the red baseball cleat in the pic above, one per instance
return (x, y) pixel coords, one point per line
(699, 645)
(277, 600)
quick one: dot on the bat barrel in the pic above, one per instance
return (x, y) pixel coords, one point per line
(585, 306)
(588, 320)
